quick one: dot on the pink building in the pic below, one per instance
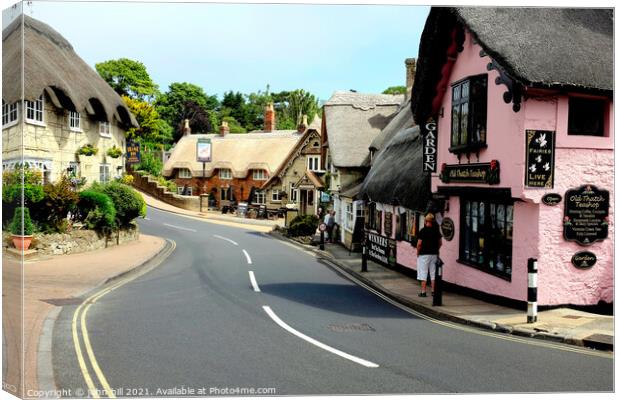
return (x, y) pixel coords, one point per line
(515, 108)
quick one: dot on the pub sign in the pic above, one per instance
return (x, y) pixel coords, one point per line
(586, 214)
(203, 150)
(471, 173)
(133, 152)
(539, 158)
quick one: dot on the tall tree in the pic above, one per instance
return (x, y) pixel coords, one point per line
(128, 78)
(153, 129)
(185, 100)
(395, 90)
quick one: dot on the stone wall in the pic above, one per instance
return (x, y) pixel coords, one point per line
(77, 241)
(150, 186)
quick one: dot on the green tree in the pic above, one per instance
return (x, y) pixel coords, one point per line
(185, 101)
(395, 90)
(234, 125)
(127, 77)
(153, 129)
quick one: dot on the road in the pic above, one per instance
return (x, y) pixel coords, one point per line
(233, 308)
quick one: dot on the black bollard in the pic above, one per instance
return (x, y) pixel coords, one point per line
(364, 258)
(438, 282)
(322, 244)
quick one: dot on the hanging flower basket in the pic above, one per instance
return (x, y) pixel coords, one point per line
(115, 152)
(87, 150)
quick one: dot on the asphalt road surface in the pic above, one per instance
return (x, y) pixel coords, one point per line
(232, 311)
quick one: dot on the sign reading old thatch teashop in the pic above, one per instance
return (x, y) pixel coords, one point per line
(471, 173)
(539, 158)
(586, 214)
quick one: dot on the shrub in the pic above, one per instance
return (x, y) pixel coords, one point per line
(170, 185)
(16, 226)
(96, 210)
(13, 189)
(150, 163)
(59, 201)
(128, 203)
(303, 225)
(126, 179)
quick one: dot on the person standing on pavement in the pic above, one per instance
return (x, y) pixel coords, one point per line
(330, 221)
(429, 242)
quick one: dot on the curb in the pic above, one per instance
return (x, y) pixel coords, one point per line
(344, 270)
(45, 369)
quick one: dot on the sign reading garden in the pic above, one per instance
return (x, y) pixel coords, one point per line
(586, 214)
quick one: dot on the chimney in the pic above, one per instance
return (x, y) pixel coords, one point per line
(301, 128)
(224, 129)
(270, 118)
(186, 129)
(410, 66)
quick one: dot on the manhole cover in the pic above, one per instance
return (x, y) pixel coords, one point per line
(351, 328)
(571, 316)
(70, 301)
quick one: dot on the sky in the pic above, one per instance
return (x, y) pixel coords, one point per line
(245, 47)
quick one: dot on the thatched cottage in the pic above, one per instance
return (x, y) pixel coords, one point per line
(56, 105)
(518, 104)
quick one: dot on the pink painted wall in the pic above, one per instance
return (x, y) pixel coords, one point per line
(537, 227)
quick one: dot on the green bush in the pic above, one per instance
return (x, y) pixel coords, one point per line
(16, 226)
(170, 185)
(13, 188)
(303, 225)
(96, 210)
(150, 163)
(60, 200)
(128, 203)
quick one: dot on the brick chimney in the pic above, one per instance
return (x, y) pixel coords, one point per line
(224, 129)
(303, 125)
(410, 66)
(186, 129)
(270, 118)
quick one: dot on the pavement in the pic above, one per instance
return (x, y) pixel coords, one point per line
(261, 225)
(563, 325)
(34, 294)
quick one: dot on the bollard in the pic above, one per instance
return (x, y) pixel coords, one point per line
(364, 258)
(438, 282)
(322, 244)
(532, 290)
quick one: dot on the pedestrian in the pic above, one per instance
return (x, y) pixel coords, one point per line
(330, 222)
(429, 242)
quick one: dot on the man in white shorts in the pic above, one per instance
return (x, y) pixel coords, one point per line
(429, 242)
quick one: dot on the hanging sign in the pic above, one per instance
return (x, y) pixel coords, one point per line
(586, 214)
(583, 259)
(429, 147)
(471, 173)
(539, 158)
(381, 249)
(133, 153)
(447, 228)
(552, 199)
(203, 150)
(387, 224)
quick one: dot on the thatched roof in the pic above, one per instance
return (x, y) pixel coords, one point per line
(237, 152)
(51, 64)
(396, 175)
(402, 120)
(562, 48)
(352, 121)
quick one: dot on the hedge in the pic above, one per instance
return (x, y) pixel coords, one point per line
(303, 225)
(128, 203)
(96, 210)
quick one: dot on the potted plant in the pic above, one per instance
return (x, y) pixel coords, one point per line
(114, 152)
(87, 150)
(21, 233)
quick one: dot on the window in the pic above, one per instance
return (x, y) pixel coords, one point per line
(185, 173)
(105, 129)
(259, 175)
(74, 121)
(486, 236)
(348, 217)
(259, 197)
(276, 195)
(293, 193)
(34, 111)
(469, 114)
(185, 190)
(314, 163)
(226, 194)
(74, 169)
(586, 116)
(9, 114)
(225, 173)
(104, 173)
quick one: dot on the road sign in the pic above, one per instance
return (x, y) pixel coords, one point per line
(322, 227)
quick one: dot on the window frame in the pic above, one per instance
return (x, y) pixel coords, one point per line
(182, 173)
(276, 196)
(9, 109)
(105, 174)
(72, 117)
(349, 220)
(33, 106)
(604, 107)
(294, 193)
(226, 193)
(107, 124)
(484, 224)
(227, 176)
(258, 196)
(259, 174)
(313, 163)
(457, 145)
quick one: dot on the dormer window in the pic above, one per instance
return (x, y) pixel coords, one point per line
(586, 116)
(225, 173)
(34, 111)
(259, 175)
(74, 121)
(469, 114)
(105, 129)
(185, 173)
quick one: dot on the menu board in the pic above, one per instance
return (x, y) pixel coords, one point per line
(586, 214)
(381, 249)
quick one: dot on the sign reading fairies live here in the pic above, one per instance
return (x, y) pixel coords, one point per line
(586, 214)
(539, 158)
